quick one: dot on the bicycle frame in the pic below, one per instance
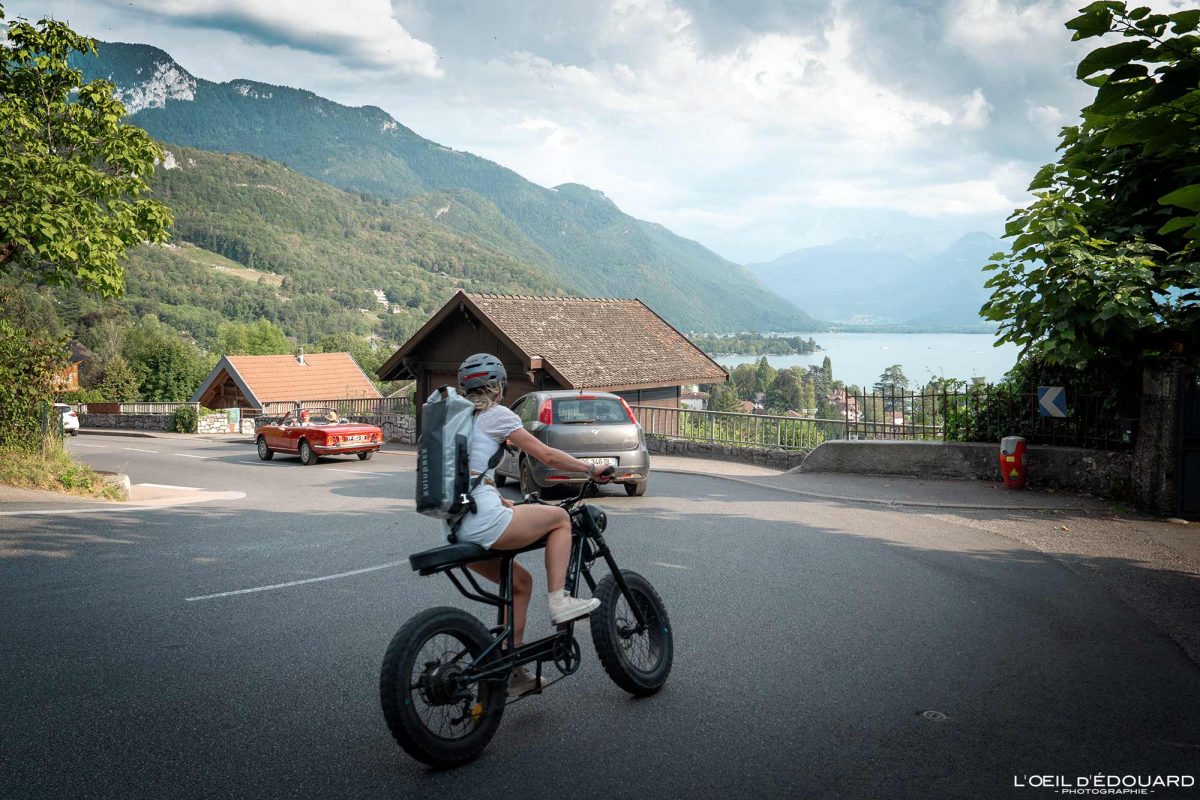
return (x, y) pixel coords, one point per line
(543, 649)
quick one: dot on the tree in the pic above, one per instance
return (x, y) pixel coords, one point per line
(120, 382)
(721, 397)
(72, 175)
(764, 376)
(261, 338)
(786, 392)
(1105, 263)
(168, 367)
(892, 382)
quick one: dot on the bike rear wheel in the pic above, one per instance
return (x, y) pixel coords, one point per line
(435, 716)
(637, 662)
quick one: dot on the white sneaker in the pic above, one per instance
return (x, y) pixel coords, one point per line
(521, 682)
(565, 608)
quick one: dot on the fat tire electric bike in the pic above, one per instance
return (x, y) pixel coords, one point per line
(444, 680)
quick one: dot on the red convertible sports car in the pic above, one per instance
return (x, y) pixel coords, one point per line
(315, 432)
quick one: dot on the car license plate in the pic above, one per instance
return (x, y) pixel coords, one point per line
(603, 462)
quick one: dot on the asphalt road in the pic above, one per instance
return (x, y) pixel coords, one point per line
(810, 636)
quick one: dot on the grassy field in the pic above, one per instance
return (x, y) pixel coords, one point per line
(55, 472)
(206, 258)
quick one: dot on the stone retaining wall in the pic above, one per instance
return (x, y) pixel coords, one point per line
(128, 422)
(1069, 469)
(400, 428)
(212, 423)
(779, 459)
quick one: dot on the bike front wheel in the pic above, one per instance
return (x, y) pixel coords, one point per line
(436, 716)
(637, 661)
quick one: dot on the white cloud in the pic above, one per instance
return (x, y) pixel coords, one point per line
(362, 33)
(976, 111)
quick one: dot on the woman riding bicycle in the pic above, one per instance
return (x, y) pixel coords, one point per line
(499, 525)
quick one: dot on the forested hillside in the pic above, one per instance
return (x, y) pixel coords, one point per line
(255, 240)
(576, 234)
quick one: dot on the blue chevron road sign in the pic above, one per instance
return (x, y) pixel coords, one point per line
(1052, 401)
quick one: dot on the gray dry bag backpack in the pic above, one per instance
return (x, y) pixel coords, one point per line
(444, 482)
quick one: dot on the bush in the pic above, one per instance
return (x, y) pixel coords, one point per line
(54, 471)
(185, 419)
(29, 365)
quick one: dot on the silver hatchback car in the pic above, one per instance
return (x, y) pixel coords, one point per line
(596, 427)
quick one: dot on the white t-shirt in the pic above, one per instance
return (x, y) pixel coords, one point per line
(491, 428)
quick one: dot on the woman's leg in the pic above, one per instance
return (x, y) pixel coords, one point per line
(522, 591)
(532, 522)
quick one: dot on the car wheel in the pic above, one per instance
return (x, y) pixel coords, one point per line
(74, 431)
(264, 452)
(366, 456)
(528, 484)
(636, 489)
(307, 456)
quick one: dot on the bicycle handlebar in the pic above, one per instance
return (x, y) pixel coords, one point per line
(583, 490)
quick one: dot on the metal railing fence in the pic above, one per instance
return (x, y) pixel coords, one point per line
(981, 413)
(348, 407)
(741, 430)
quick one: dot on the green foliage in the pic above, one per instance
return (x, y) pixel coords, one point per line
(72, 175)
(120, 383)
(764, 376)
(53, 471)
(1104, 264)
(261, 338)
(29, 364)
(754, 344)
(168, 368)
(722, 397)
(185, 419)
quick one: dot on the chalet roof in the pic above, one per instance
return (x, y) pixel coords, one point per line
(271, 379)
(79, 353)
(584, 342)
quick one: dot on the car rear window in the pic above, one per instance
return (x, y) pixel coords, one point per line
(589, 411)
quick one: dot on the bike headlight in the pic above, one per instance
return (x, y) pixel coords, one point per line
(598, 519)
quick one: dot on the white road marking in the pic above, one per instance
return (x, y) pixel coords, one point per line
(189, 455)
(140, 450)
(153, 505)
(296, 583)
(671, 566)
(169, 486)
(360, 472)
(81, 444)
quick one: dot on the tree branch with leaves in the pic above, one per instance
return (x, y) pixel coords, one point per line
(72, 174)
(1105, 261)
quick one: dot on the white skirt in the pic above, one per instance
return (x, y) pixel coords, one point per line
(489, 521)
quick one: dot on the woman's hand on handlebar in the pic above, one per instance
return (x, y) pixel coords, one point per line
(605, 475)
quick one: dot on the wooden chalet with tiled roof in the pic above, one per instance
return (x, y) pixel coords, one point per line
(250, 382)
(612, 345)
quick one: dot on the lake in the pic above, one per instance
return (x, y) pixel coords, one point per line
(859, 358)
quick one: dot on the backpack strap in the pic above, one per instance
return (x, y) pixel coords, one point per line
(493, 462)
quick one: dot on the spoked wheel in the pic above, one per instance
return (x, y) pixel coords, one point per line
(435, 716)
(638, 662)
(308, 456)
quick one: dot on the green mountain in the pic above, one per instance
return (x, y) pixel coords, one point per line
(254, 239)
(575, 233)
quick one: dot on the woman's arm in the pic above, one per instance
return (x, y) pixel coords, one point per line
(548, 455)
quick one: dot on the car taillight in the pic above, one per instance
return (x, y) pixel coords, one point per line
(628, 410)
(545, 413)
(334, 439)
(71, 414)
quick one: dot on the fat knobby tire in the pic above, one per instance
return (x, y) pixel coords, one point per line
(402, 718)
(607, 639)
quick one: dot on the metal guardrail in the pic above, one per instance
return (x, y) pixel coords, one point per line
(131, 408)
(740, 430)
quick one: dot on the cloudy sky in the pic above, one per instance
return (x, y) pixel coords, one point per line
(754, 126)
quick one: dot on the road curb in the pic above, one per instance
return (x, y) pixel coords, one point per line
(876, 501)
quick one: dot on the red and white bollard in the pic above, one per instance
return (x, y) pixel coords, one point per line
(1012, 462)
